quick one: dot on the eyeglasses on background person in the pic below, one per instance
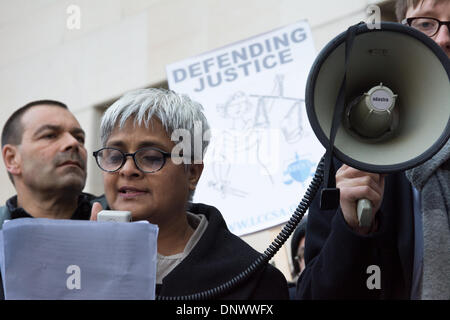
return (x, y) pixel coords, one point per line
(429, 26)
(148, 160)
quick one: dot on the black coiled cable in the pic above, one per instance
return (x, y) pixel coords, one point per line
(270, 252)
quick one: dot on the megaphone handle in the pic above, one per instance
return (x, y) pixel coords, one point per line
(364, 211)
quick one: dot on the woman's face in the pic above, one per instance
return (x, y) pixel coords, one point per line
(158, 197)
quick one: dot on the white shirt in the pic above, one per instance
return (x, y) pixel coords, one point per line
(165, 264)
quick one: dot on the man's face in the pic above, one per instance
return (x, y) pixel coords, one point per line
(52, 155)
(434, 9)
(159, 197)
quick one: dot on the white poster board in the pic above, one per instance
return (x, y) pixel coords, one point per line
(263, 152)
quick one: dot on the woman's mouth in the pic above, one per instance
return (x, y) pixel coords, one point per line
(131, 192)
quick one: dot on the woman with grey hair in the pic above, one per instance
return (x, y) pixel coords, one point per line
(196, 251)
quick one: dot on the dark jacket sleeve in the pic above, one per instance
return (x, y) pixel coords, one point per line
(272, 285)
(336, 257)
(336, 265)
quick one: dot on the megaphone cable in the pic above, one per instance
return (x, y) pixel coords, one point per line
(270, 252)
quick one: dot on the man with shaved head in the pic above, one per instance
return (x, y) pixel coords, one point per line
(43, 151)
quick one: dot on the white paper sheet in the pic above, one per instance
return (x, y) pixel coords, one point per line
(71, 259)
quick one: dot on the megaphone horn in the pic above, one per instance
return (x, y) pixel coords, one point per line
(379, 100)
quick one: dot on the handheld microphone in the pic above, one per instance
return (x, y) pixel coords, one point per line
(114, 216)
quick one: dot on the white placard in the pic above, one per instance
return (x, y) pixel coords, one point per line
(262, 152)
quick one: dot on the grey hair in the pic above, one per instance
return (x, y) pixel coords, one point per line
(174, 110)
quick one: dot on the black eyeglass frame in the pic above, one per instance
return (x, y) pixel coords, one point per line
(125, 155)
(408, 21)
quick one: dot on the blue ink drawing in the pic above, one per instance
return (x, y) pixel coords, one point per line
(299, 170)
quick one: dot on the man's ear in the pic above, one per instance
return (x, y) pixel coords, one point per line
(11, 158)
(194, 171)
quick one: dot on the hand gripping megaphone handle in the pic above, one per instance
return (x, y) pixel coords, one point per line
(364, 212)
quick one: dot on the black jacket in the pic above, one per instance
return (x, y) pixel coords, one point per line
(337, 258)
(217, 257)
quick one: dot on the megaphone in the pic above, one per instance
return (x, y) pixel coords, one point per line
(393, 83)
(395, 113)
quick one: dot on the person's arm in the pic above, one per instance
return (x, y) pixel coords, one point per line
(272, 285)
(337, 251)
